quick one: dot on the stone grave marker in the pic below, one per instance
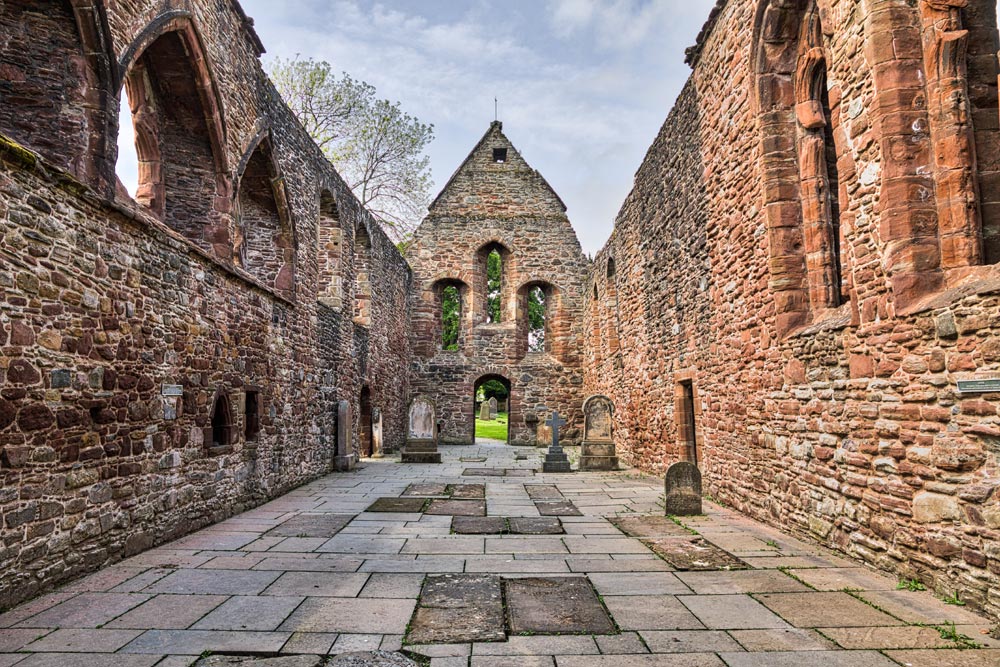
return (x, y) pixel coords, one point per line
(683, 489)
(344, 460)
(377, 439)
(597, 451)
(493, 407)
(484, 411)
(556, 459)
(421, 435)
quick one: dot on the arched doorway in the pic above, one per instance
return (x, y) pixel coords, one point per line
(365, 427)
(497, 426)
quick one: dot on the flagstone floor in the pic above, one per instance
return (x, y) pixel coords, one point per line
(313, 572)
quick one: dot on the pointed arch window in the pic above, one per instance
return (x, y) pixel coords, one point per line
(362, 277)
(329, 240)
(492, 269)
(264, 244)
(179, 135)
(450, 299)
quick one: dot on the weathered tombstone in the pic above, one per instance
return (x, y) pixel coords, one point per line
(683, 489)
(344, 460)
(493, 407)
(556, 459)
(421, 436)
(484, 411)
(377, 452)
(597, 451)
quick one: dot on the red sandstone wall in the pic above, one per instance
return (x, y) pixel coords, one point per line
(848, 427)
(510, 204)
(102, 305)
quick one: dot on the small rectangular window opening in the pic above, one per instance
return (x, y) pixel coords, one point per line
(500, 155)
(252, 416)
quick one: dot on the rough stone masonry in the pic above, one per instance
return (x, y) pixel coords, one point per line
(802, 275)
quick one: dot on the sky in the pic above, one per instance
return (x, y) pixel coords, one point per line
(583, 85)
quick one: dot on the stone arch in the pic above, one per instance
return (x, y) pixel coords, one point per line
(442, 294)
(555, 332)
(219, 434)
(264, 241)
(799, 147)
(180, 132)
(329, 244)
(480, 379)
(362, 275)
(492, 300)
(57, 92)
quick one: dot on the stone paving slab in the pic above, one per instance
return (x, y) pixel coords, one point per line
(649, 526)
(317, 584)
(638, 583)
(741, 581)
(557, 508)
(427, 490)
(83, 640)
(676, 660)
(457, 507)
(357, 615)
(543, 492)
(311, 525)
(467, 491)
(472, 525)
(400, 505)
(87, 610)
(731, 612)
(196, 642)
(938, 658)
(898, 637)
(458, 608)
(89, 660)
(555, 605)
(688, 641)
(694, 553)
(825, 610)
(651, 612)
(168, 612)
(536, 525)
(817, 658)
(782, 639)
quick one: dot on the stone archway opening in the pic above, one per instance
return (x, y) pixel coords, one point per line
(491, 425)
(365, 427)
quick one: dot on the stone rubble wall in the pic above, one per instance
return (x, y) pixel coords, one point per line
(849, 427)
(101, 305)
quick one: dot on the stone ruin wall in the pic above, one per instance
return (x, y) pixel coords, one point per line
(102, 305)
(842, 424)
(510, 204)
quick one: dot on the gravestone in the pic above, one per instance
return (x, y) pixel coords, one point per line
(377, 441)
(493, 407)
(597, 451)
(556, 459)
(344, 460)
(484, 412)
(421, 433)
(683, 489)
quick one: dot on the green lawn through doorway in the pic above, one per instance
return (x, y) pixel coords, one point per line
(495, 429)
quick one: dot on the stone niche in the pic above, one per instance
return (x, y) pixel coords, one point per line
(597, 451)
(421, 434)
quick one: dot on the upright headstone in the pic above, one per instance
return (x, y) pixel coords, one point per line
(377, 451)
(493, 407)
(421, 435)
(344, 460)
(597, 451)
(556, 459)
(484, 411)
(683, 489)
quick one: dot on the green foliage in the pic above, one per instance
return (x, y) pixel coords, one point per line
(953, 599)
(910, 585)
(375, 146)
(494, 282)
(451, 312)
(492, 389)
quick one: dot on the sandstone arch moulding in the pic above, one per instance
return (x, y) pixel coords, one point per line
(801, 141)
(264, 242)
(57, 93)
(181, 145)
